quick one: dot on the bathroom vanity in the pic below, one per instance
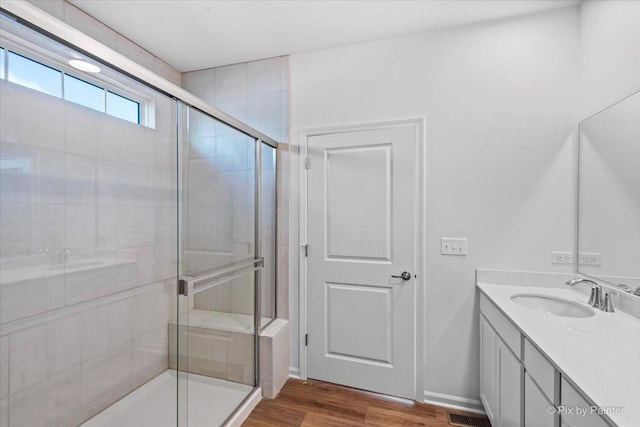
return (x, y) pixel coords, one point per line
(547, 357)
(577, 368)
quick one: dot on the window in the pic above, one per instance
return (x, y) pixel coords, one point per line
(124, 108)
(83, 93)
(33, 74)
(1, 63)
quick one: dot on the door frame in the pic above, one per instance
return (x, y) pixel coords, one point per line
(419, 249)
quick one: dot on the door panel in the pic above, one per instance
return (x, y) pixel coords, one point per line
(510, 373)
(359, 311)
(488, 368)
(358, 186)
(362, 230)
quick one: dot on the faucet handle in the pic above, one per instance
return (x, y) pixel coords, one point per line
(607, 305)
(595, 298)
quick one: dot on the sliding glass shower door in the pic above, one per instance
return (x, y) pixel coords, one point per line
(220, 264)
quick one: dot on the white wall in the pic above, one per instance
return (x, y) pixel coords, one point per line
(499, 102)
(610, 53)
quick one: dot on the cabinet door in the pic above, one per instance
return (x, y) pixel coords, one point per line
(536, 406)
(488, 369)
(510, 374)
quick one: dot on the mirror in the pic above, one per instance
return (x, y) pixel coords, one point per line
(609, 194)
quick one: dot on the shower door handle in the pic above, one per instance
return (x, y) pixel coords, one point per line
(405, 275)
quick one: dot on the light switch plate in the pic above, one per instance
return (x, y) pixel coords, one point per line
(453, 246)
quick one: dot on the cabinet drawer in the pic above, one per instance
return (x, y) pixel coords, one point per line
(572, 400)
(503, 326)
(536, 406)
(542, 372)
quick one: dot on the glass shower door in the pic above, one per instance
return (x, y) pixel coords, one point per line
(216, 335)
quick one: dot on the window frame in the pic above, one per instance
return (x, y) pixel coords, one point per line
(58, 62)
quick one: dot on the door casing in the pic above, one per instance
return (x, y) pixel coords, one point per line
(420, 249)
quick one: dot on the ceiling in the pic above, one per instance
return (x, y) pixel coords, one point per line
(196, 34)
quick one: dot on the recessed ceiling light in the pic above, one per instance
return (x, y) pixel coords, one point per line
(84, 66)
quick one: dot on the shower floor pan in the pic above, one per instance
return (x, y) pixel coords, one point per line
(210, 401)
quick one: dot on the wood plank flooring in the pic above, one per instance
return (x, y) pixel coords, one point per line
(315, 403)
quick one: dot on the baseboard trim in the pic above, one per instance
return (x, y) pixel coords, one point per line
(454, 402)
(294, 373)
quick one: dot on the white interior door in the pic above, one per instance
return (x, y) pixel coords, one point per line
(362, 231)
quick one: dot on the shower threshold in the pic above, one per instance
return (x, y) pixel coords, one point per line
(209, 401)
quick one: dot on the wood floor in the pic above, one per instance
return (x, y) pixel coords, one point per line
(314, 403)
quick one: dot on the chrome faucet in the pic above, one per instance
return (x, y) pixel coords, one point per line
(595, 299)
(60, 256)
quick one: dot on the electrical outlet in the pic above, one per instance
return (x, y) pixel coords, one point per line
(586, 258)
(562, 257)
(453, 246)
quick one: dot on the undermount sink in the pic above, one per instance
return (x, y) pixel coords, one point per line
(553, 305)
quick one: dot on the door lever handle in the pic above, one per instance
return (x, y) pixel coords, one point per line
(405, 275)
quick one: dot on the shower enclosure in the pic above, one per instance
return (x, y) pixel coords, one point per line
(137, 240)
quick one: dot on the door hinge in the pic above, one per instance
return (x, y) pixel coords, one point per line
(305, 248)
(307, 162)
(306, 339)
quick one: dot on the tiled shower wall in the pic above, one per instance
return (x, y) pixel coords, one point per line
(76, 337)
(256, 93)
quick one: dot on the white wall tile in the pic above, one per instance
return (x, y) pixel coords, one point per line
(81, 124)
(105, 379)
(92, 283)
(17, 178)
(64, 343)
(150, 311)
(202, 83)
(4, 412)
(29, 297)
(80, 227)
(47, 228)
(80, 180)
(106, 182)
(136, 226)
(236, 107)
(15, 228)
(95, 331)
(263, 76)
(150, 355)
(64, 398)
(231, 81)
(28, 407)
(27, 357)
(49, 173)
(263, 111)
(4, 366)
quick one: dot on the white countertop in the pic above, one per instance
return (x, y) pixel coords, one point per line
(599, 354)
